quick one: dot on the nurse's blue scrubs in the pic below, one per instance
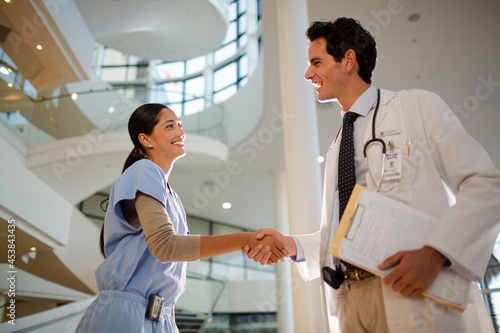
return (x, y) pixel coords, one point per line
(130, 273)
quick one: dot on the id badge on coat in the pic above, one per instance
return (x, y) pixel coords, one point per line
(393, 163)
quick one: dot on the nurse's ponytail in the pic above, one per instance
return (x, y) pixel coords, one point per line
(142, 120)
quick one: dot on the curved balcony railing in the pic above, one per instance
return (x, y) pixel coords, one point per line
(83, 108)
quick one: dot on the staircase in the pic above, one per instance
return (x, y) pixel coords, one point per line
(189, 322)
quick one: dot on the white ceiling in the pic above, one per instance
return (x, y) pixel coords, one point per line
(152, 29)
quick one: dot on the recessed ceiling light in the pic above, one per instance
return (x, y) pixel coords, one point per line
(39, 47)
(10, 85)
(111, 109)
(321, 159)
(32, 248)
(8, 1)
(74, 96)
(414, 17)
(226, 205)
(4, 70)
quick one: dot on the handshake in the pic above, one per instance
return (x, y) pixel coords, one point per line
(269, 247)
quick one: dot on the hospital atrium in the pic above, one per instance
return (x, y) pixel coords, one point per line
(73, 71)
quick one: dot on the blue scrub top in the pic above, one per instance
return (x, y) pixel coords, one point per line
(129, 265)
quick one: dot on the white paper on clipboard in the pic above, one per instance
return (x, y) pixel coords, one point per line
(374, 227)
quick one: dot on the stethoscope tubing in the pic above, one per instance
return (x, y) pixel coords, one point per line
(378, 141)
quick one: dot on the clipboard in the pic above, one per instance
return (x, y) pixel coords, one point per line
(374, 227)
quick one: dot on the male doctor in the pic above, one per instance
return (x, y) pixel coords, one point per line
(442, 171)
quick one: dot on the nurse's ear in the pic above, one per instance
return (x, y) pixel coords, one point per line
(145, 141)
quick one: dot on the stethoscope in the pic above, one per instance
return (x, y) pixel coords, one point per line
(375, 140)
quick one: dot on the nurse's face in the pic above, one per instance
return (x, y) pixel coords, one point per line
(167, 138)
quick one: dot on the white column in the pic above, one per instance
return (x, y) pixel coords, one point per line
(301, 151)
(283, 270)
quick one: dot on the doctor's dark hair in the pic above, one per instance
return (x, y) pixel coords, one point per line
(344, 34)
(142, 120)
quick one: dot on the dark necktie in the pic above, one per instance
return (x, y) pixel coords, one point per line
(347, 176)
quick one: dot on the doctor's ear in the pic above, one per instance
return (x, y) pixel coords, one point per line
(350, 60)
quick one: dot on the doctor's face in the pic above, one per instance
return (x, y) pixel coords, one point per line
(325, 73)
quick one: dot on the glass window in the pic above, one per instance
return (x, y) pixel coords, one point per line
(200, 267)
(130, 93)
(229, 272)
(195, 65)
(220, 229)
(244, 81)
(198, 227)
(118, 67)
(173, 92)
(195, 88)
(231, 33)
(113, 57)
(176, 107)
(8, 76)
(222, 95)
(243, 68)
(233, 259)
(133, 73)
(7, 60)
(225, 52)
(29, 90)
(15, 118)
(225, 76)
(170, 70)
(259, 274)
(231, 11)
(242, 24)
(243, 40)
(113, 74)
(194, 106)
(242, 6)
(133, 60)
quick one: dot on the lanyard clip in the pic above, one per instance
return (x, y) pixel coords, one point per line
(391, 146)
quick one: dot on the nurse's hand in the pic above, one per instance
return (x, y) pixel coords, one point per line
(261, 254)
(415, 270)
(269, 249)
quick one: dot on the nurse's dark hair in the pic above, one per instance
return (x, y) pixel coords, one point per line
(345, 34)
(142, 120)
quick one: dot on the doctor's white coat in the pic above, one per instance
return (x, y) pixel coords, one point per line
(446, 174)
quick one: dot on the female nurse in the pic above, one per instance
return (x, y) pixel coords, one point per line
(145, 239)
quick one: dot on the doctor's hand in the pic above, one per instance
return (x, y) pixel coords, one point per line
(271, 250)
(415, 270)
(261, 255)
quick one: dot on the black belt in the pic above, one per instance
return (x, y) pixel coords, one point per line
(343, 273)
